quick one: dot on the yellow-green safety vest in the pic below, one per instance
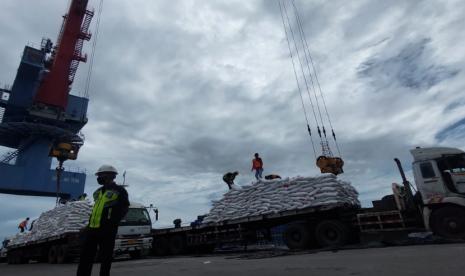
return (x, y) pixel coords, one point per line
(102, 200)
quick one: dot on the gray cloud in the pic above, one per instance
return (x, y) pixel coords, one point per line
(409, 68)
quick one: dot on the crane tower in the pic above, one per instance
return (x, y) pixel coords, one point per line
(40, 119)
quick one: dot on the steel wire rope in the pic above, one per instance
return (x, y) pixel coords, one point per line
(301, 67)
(92, 54)
(307, 49)
(307, 63)
(297, 79)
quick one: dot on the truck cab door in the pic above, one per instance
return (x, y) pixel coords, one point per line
(453, 171)
(429, 181)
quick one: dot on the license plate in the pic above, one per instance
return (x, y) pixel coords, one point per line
(132, 241)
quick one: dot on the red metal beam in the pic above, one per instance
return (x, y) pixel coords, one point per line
(54, 88)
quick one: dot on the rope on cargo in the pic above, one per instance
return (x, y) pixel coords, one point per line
(297, 80)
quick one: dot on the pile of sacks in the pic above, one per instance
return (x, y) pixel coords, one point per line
(71, 217)
(268, 197)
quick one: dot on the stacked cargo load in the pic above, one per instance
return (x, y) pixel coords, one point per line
(69, 218)
(269, 197)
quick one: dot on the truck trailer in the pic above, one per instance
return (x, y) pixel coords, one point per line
(437, 205)
(133, 238)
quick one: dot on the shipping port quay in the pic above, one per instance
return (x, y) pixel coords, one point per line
(441, 259)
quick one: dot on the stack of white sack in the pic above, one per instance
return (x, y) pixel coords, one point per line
(68, 218)
(268, 197)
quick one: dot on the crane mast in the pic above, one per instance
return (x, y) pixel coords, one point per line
(66, 55)
(41, 119)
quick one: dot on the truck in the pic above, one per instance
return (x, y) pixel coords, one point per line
(134, 235)
(438, 205)
(133, 238)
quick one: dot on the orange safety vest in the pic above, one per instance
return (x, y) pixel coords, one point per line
(257, 164)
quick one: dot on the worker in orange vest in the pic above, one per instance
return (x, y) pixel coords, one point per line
(257, 165)
(23, 225)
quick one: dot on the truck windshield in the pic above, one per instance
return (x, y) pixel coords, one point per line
(452, 164)
(136, 216)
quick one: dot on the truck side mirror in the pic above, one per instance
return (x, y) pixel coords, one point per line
(156, 214)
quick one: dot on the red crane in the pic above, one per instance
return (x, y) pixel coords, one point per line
(66, 55)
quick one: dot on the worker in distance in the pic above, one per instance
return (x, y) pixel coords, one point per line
(111, 205)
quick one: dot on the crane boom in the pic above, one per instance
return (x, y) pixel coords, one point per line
(55, 86)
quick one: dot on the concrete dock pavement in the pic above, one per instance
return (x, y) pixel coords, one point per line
(426, 260)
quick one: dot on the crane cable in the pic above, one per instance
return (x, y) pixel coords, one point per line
(92, 55)
(310, 77)
(302, 69)
(307, 50)
(297, 79)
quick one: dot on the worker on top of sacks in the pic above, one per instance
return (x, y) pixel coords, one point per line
(229, 177)
(257, 165)
(272, 176)
(23, 225)
(111, 205)
(82, 197)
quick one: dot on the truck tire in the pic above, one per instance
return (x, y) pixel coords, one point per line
(52, 254)
(161, 246)
(332, 233)
(297, 236)
(13, 259)
(137, 254)
(448, 222)
(177, 245)
(23, 260)
(62, 254)
(205, 249)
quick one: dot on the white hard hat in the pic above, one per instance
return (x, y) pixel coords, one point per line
(106, 168)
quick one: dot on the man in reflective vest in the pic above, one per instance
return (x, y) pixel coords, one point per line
(111, 205)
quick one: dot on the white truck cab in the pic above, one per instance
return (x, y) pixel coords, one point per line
(439, 174)
(134, 232)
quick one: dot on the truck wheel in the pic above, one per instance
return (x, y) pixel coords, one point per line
(177, 245)
(297, 236)
(331, 233)
(205, 248)
(449, 222)
(13, 259)
(62, 254)
(52, 254)
(161, 246)
(23, 260)
(135, 254)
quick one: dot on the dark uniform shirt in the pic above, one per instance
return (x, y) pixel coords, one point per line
(229, 177)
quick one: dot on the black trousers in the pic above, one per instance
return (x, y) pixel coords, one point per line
(104, 239)
(230, 183)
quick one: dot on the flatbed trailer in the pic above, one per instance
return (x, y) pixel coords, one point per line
(55, 249)
(326, 225)
(332, 225)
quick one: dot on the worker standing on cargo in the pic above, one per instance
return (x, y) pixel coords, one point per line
(111, 205)
(82, 197)
(229, 178)
(257, 165)
(23, 225)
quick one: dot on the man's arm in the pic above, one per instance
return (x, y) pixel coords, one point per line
(124, 203)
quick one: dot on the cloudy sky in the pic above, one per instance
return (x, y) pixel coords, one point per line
(184, 91)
